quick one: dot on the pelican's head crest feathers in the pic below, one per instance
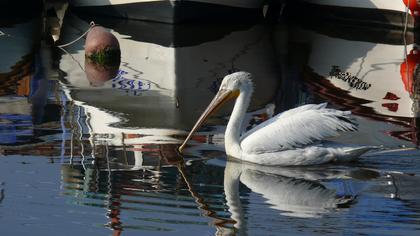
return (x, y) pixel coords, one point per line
(238, 81)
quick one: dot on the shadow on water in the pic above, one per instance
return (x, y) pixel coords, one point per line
(114, 139)
(25, 111)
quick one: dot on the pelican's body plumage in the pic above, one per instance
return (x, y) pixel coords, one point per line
(294, 137)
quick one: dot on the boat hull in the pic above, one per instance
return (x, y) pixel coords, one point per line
(173, 11)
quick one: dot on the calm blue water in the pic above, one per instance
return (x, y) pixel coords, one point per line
(92, 151)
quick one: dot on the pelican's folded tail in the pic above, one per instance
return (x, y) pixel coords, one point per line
(353, 153)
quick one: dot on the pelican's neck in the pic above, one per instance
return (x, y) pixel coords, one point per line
(234, 126)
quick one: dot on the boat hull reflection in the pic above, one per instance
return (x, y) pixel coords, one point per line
(165, 79)
(372, 74)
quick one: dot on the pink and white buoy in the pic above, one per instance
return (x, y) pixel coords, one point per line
(103, 56)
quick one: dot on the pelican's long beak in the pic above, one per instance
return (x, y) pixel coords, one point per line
(221, 97)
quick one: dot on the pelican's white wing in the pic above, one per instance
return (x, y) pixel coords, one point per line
(296, 128)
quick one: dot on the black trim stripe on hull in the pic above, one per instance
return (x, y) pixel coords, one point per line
(10, 10)
(351, 15)
(177, 12)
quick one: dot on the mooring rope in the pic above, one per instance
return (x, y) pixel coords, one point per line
(404, 38)
(91, 24)
(72, 57)
(406, 18)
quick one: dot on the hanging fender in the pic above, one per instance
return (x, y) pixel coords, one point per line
(408, 67)
(414, 6)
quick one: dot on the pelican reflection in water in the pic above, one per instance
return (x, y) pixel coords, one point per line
(293, 137)
(285, 190)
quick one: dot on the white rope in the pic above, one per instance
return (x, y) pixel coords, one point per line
(406, 18)
(92, 24)
(405, 40)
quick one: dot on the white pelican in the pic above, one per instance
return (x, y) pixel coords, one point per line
(293, 137)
